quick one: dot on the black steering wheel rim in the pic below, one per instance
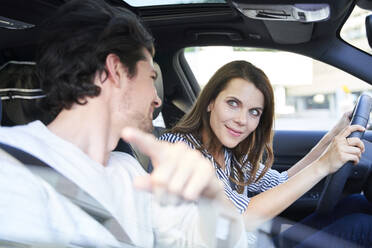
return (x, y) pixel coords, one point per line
(335, 182)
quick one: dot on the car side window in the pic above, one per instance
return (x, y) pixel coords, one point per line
(306, 90)
(354, 29)
(159, 121)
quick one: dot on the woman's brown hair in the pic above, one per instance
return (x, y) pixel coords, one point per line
(257, 143)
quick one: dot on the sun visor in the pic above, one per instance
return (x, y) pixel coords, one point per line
(283, 12)
(287, 24)
(289, 32)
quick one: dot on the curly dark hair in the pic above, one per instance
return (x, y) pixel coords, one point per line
(75, 43)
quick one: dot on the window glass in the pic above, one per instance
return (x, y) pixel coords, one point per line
(354, 30)
(159, 121)
(309, 95)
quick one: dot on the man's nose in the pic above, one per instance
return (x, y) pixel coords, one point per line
(157, 101)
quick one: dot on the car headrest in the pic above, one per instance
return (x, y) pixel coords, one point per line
(20, 93)
(159, 89)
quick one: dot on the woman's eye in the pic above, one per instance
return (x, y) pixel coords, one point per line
(232, 103)
(255, 112)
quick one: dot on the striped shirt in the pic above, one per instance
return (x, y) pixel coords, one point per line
(271, 179)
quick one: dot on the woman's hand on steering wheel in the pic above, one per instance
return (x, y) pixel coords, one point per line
(342, 150)
(341, 124)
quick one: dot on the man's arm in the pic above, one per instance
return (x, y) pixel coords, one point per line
(184, 173)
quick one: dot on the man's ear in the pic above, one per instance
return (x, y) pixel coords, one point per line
(115, 69)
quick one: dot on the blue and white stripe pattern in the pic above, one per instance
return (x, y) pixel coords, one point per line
(271, 179)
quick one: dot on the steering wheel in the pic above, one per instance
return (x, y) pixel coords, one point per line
(335, 182)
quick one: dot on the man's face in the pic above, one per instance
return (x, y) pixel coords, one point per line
(139, 99)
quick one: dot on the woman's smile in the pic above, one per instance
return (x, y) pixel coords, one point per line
(233, 132)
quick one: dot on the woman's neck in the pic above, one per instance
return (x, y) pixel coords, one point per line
(220, 159)
(216, 150)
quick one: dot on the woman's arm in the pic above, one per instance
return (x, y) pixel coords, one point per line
(272, 202)
(321, 146)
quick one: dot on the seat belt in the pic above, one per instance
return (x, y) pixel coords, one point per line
(69, 189)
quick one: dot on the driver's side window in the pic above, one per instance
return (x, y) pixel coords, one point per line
(306, 91)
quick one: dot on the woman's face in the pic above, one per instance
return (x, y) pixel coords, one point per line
(236, 112)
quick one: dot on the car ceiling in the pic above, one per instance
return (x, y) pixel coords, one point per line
(187, 25)
(178, 26)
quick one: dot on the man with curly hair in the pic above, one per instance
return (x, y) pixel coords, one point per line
(95, 65)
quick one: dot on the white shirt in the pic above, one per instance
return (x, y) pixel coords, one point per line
(32, 211)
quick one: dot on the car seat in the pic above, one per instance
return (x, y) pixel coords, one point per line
(20, 94)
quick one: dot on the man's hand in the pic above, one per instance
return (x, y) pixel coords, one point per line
(178, 169)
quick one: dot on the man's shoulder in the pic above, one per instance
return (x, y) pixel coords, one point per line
(122, 156)
(28, 130)
(126, 161)
(28, 137)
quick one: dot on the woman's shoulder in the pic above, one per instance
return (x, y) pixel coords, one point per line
(179, 137)
(173, 137)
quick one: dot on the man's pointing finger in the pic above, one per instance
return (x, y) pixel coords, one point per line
(145, 142)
